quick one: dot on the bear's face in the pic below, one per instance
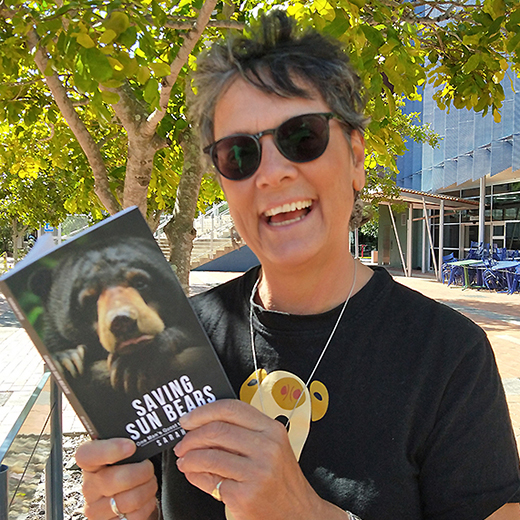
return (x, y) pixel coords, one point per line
(112, 295)
(112, 301)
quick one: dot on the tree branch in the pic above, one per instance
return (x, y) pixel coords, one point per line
(186, 23)
(77, 126)
(23, 83)
(218, 24)
(128, 109)
(449, 10)
(51, 125)
(190, 40)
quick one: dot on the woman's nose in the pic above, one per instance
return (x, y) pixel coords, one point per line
(274, 167)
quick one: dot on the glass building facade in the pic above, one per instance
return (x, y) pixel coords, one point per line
(471, 147)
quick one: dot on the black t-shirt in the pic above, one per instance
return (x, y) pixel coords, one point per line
(416, 425)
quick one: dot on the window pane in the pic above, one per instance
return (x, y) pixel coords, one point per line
(513, 235)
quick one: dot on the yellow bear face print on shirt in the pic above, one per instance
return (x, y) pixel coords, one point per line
(283, 396)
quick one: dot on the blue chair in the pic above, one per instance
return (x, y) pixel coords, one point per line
(483, 252)
(499, 253)
(456, 275)
(473, 251)
(515, 284)
(494, 280)
(446, 267)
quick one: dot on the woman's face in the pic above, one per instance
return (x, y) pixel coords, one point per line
(291, 215)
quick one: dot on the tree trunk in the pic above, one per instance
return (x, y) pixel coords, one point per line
(179, 230)
(17, 233)
(138, 173)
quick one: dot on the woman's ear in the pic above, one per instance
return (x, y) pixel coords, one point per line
(358, 159)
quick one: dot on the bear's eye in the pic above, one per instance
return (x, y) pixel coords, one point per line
(139, 280)
(87, 298)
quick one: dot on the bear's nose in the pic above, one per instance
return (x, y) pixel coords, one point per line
(123, 326)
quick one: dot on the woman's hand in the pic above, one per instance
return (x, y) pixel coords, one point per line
(133, 486)
(231, 441)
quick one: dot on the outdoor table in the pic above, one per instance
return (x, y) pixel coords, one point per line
(465, 264)
(505, 264)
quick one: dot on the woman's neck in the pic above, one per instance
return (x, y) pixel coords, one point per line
(302, 291)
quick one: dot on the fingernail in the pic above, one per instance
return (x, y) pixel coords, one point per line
(185, 420)
(128, 447)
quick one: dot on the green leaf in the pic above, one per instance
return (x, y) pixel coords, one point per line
(515, 17)
(151, 91)
(338, 26)
(472, 63)
(143, 74)
(158, 14)
(118, 22)
(115, 64)
(471, 39)
(494, 8)
(433, 56)
(128, 37)
(374, 36)
(85, 40)
(113, 83)
(513, 43)
(160, 69)
(110, 97)
(49, 71)
(108, 36)
(296, 10)
(130, 65)
(84, 84)
(100, 109)
(98, 64)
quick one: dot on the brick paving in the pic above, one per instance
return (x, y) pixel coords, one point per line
(499, 314)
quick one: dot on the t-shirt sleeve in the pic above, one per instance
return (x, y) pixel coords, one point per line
(470, 461)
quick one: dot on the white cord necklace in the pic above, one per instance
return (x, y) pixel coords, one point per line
(253, 349)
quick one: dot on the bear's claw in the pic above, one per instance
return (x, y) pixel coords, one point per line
(71, 360)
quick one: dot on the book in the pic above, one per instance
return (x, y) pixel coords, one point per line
(111, 321)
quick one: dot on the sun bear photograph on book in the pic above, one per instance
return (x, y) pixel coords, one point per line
(112, 322)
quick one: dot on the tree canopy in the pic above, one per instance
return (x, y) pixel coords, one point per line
(35, 181)
(106, 80)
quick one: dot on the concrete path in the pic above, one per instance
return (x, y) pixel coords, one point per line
(499, 314)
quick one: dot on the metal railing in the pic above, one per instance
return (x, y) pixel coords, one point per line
(18, 459)
(213, 229)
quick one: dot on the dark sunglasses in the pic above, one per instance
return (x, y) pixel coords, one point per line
(300, 139)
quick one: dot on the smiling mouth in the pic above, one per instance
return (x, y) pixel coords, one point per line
(288, 213)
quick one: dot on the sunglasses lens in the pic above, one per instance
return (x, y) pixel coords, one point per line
(300, 139)
(303, 138)
(236, 157)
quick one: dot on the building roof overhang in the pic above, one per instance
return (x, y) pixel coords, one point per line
(432, 201)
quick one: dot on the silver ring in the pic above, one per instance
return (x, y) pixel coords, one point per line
(216, 492)
(115, 509)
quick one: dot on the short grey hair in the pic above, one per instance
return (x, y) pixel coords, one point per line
(275, 55)
(273, 58)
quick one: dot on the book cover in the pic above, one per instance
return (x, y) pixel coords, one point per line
(108, 315)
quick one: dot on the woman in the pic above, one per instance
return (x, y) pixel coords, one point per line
(389, 405)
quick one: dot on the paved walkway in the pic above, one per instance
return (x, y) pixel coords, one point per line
(499, 314)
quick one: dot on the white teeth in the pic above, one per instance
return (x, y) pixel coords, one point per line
(286, 208)
(286, 222)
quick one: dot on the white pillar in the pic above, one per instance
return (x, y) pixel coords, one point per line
(482, 212)
(441, 237)
(409, 239)
(424, 244)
